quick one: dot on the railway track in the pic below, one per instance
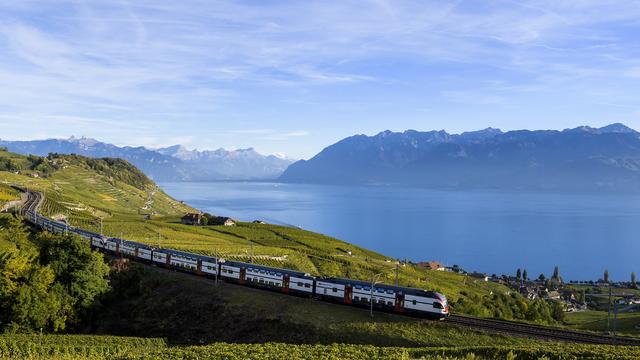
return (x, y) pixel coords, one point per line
(539, 332)
(35, 199)
(33, 202)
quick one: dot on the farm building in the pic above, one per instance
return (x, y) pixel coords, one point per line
(222, 221)
(192, 219)
(432, 265)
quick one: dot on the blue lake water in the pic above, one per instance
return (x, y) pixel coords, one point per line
(493, 232)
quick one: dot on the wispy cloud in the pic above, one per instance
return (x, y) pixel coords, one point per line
(148, 69)
(271, 134)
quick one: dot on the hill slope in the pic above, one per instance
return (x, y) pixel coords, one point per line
(580, 159)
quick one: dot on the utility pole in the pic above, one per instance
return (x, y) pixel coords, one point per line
(251, 259)
(158, 239)
(397, 270)
(101, 226)
(615, 318)
(374, 281)
(215, 253)
(609, 312)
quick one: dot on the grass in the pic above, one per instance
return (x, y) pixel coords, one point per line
(627, 323)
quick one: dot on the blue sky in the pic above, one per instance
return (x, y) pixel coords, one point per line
(294, 77)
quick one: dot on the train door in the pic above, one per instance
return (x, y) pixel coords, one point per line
(168, 261)
(243, 275)
(136, 252)
(199, 267)
(399, 302)
(285, 283)
(348, 292)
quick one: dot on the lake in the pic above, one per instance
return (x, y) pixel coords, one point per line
(493, 232)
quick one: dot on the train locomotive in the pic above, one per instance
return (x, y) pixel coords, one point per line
(397, 299)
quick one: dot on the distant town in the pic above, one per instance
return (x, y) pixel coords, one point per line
(602, 294)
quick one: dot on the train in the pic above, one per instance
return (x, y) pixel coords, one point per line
(382, 297)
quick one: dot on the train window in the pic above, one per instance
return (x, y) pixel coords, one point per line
(335, 289)
(437, 305)
(299, 284)
(414, 302)
(356, 298)
(389, 303)
(307, 285)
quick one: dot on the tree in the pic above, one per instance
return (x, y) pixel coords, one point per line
(47, 288)
(518, 274)
(606, 276)
(80, 271)
(556, 273)
(524, 275)
(633, 279)
(28, 300)
(542, 277)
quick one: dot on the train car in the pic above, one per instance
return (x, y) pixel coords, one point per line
(231, 271)
(330, 290)
(388, 298)
(182, 260)
(145, 252)
(209, 266)
(126, 248)
(284, 280)
(158, 256)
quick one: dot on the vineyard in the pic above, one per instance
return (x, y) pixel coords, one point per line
(109, 347)
(7, 193)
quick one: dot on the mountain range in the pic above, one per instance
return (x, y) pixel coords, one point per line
(174, 163)
(579, 159)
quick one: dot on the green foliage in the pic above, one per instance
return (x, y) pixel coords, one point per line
(79, 270)
(7, 164)
(511, 306)
(46, 292)
(22, 346)
(113, 168)
(110, 347)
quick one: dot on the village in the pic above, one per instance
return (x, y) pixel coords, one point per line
(602, 294)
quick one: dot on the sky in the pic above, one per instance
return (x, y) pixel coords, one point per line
(293, 77)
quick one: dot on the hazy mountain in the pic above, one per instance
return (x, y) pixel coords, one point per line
(580, 159)
(174, 163)
(236, 164)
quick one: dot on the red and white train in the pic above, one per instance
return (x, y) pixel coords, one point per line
(398, 299)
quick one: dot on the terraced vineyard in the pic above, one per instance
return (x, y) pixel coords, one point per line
(7, 194)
